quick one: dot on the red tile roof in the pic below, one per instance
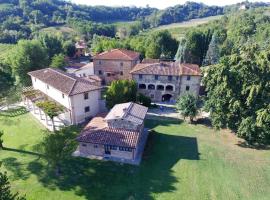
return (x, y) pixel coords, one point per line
(167, 68)
(110, 136)
(64, 82)
(118, 54)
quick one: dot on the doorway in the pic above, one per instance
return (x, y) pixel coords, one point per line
(166, 97)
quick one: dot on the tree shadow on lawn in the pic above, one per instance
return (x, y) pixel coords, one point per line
(19, 170)
(107, 180)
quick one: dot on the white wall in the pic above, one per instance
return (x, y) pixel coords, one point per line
(51, 92)
(85, 71)
(79, 103)
(75, 103)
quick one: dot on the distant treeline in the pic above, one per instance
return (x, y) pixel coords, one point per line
(20, 19)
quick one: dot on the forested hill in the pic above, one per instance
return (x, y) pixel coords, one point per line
(21, 19)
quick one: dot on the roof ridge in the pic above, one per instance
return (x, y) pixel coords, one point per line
(121, 50)
(63, 73)
(187, 67)
(146, 65)
(128, 109)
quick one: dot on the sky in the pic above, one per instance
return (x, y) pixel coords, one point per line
(156, 3)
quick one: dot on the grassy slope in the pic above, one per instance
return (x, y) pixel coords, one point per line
(179, 29)
(65, 31)
(181, 161)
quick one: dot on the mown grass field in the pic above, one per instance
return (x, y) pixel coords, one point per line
(61, 30)
(178, 30)
(181, 161)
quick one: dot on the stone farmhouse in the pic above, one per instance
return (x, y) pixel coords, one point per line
(81, 48)
(118, 136)
(165, 81)
(80, 97)
(115, 64)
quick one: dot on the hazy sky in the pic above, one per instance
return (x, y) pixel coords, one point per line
(155, 3)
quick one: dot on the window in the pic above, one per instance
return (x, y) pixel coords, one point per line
(108, 74)
(156, 77)
(169, 88)
(84, 75)
(84, 145)
(121, 64)
(140, 76)
(121, 73)
(151, 87)
(152, 96)
(112, 147)
(99, 62)
(63, 95)
(87, 109)
(187, 88)
(188, 78)
(48, 87)
(125, 149)
(160, 87)
(142, 86)
(95, 146)
(86, 96)
(169, 78)
(99, 72)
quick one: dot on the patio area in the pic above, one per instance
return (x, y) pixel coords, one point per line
(31, 99)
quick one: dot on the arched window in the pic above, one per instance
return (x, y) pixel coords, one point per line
(169, 88)
(160, 87)
(142, 86)
(151, 87)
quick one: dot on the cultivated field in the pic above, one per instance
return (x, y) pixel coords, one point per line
(181, 161)
(179, 29)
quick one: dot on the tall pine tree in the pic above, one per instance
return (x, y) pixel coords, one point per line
(212, 55)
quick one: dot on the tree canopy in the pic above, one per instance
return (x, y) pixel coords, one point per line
(28, 55)
(187, 106)
(5, 189)
(239, 93)
(121, 91)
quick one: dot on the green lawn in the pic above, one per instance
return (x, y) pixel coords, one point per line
(181, 161)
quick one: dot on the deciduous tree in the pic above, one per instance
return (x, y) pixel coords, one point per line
(121, 91)
(187, 106)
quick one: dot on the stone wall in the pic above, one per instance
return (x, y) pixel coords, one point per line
(109, 70)
(98, 150)
(166, 86)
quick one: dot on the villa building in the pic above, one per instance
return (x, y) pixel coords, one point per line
(80, 97)
(115, 64)
(81, 48)
(118, 136)
(165, 81)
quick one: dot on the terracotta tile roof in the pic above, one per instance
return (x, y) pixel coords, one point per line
(118, 54)
(94, 78)
(110, 136)
(64, 82)
(129, 111)
(167, 68)
(150, 60)
(190, 69)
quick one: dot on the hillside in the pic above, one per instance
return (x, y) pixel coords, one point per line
(22, 19)
(178, 30)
